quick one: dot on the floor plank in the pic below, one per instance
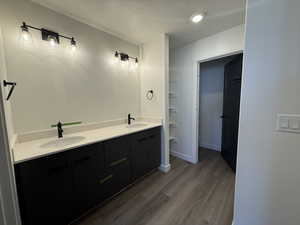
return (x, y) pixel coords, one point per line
(200, 194)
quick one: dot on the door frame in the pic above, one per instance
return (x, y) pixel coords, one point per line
(196, 112)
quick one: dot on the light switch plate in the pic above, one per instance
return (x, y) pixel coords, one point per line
(288, 123)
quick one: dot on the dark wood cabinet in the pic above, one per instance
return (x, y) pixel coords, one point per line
(45, 187)
(146, 153)
(87, 165)
(59, 188)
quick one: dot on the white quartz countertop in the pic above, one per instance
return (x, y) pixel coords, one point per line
(42, 147)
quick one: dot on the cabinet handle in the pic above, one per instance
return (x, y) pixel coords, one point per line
(106, 179)
(152, 136)
(118, 162)
(143, 139)
(83, 159)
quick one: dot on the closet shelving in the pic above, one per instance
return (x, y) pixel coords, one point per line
(172, 111)
(172, 95)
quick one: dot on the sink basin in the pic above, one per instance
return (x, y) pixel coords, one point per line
(136, 125)
(62, 142)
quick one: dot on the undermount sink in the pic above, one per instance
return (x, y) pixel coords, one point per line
(62, 142)
(136, 125)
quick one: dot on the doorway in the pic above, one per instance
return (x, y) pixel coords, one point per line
(219, 103)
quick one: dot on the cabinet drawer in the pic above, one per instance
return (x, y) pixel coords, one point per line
(114, 180)
(43, 167)
(117, 151)
(146, 135)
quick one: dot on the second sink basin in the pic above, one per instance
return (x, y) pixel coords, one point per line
(63, 142)
(136, 125)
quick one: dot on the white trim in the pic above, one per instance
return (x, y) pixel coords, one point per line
(232, 222)
(184, 157)
(210, 146)
(165, 168)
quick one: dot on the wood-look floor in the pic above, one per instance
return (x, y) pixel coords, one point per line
(189, 194)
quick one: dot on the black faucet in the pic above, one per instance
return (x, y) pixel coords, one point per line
(129, 119)
(60, 130)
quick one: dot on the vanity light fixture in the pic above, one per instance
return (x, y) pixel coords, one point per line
(125, 57)
(47, 35)
(25, 32)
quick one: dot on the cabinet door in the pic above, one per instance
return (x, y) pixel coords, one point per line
(117, 151)
(154, 149)
(146, 151)
(44, 187)
(138, 155)
(87, 166)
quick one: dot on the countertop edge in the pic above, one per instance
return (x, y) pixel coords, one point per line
(16, 162)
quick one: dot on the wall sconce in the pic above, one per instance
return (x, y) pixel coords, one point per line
(47, 35)
(125, 57)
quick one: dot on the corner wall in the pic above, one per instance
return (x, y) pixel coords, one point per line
(154, 75)
(268, 177)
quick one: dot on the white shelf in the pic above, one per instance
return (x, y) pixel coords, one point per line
(172, 138)
(172, 95)
(173, 109)
(172, 124)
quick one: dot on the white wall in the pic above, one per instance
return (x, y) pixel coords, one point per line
(8, 203)
(5, 91)
(211, 104)
(54, 84)
(184, 67)
(154, 75)
(268, 178)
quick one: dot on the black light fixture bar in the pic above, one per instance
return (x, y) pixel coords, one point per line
(125, 57)
(46, 33)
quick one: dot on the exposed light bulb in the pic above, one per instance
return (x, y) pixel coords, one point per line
(25, 32)
(25, 35)
(52, 40)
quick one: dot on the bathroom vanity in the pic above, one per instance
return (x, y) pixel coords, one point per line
(60, 186)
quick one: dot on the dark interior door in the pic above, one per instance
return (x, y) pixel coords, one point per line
(231, 110)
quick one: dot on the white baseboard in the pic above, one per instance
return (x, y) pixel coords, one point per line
(165, 168)
(183, 156)
(210, 146)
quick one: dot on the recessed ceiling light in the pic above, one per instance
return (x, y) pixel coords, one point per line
(197, 18)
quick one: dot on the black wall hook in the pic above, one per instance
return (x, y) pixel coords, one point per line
(12, 84)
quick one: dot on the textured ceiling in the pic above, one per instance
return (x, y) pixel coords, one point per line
(139, 20)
